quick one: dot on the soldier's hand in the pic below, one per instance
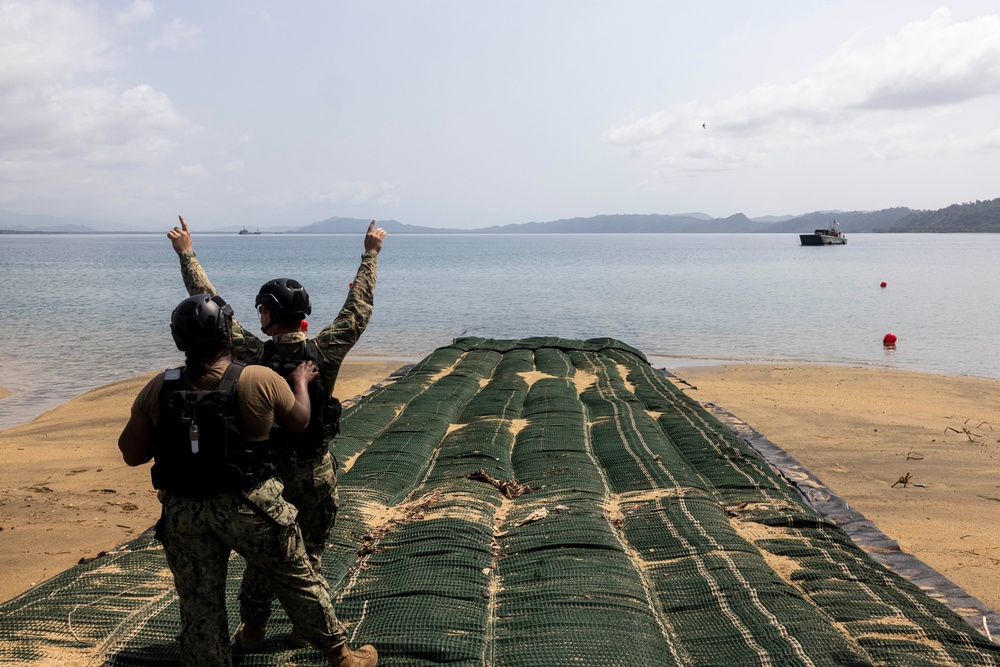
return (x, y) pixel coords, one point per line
(373, 239)
(180, 237)
(305, 372)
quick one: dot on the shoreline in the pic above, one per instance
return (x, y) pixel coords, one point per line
(65, 494)
(25, 405)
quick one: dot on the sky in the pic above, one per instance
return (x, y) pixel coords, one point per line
(465, 114)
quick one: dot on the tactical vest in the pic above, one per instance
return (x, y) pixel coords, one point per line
(199, 449)
(324, 421)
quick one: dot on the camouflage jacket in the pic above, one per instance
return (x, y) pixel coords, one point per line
(334, 341)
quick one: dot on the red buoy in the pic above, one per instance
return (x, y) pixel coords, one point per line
(883, 284)
(889, 340)
(303, 325)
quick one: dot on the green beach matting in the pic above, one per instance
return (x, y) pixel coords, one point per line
(547, 502)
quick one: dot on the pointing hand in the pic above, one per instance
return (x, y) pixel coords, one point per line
(373, 239)
(180, 237)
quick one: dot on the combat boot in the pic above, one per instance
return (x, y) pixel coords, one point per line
(341, 656)
(250, 636)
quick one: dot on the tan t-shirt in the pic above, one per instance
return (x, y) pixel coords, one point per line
(261, 396)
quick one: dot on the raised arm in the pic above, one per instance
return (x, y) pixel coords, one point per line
(246, 346)
(336, 340)
(195, 280)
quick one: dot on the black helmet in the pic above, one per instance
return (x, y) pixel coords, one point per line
(286, 299)
(201, 320)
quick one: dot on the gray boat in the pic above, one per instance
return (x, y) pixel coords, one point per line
(831, 236)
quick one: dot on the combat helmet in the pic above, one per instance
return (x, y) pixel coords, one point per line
(201, 321)
(285, 299)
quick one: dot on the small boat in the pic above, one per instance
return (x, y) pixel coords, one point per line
(247, 232)
(831, 236)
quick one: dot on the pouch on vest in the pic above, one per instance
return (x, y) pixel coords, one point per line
(199, 449)
(324, 421)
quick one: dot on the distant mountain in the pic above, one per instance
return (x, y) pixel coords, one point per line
(27, 222)
(628, 224)
(977, 216)
(360, 225)
(850, 221)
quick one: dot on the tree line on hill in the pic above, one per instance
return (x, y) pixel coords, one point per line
(978, 216)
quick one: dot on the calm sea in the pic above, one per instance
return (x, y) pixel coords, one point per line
(81, 311)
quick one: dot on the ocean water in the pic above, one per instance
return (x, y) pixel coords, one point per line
(81, 311)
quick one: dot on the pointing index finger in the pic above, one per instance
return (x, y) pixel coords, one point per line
(371, 226)
(184, 225)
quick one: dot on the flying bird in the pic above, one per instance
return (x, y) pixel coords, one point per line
(704, 125)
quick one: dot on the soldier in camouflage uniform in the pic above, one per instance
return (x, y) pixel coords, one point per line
(310, 484)
(202, 522)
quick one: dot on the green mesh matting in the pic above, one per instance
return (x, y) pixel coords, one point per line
(652, 535)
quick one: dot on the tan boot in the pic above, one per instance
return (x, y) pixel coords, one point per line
(250, 636)
(341, 656)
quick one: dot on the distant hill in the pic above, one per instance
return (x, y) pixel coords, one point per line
(773, 218)
(977, 216)
(360, 225)
(629, 224)
(29, 222)
(850, 221)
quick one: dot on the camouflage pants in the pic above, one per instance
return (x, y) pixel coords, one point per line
(311, 486)
(198, 536)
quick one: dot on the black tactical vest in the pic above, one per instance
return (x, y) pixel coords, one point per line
(324, 421)
(199, 449)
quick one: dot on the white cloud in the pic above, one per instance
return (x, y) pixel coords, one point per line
(192, 170)
(356, 193)
(367, 193)
(61, 121)
(346, 194)
(929, 63)
(177, 35)
(235, 165)
(98, 124)
(138, 11)
(992, 142)
(45, 41)
(933, 65)
(258, 12)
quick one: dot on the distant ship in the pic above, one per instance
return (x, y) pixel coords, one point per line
(247, 232)
(831, 236)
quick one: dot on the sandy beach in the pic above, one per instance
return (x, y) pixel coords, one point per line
(65, 493)
(861, 431)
